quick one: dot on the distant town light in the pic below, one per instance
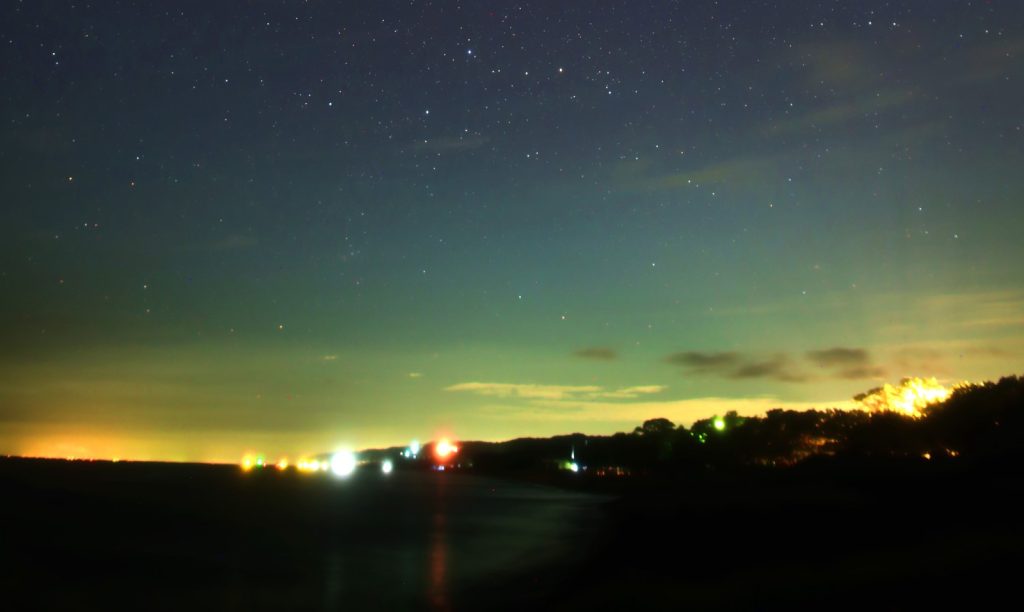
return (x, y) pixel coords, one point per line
(343, 463)
(719, 423)
(386, 466)
(444, 449)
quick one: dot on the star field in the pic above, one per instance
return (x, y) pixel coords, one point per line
(231, 224)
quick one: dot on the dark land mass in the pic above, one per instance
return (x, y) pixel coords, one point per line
(788, 510)
(882, 534)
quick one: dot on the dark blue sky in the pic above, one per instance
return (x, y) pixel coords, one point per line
(297, 222)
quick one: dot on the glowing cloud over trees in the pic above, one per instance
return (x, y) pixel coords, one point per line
(910, 397)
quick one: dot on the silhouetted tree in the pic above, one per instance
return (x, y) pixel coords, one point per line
(658, 426)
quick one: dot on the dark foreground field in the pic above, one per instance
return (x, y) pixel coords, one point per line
(161, 536)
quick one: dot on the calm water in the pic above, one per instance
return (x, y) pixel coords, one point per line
(441, 539)
(193, 537)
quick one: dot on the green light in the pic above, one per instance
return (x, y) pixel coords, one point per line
(719, 423)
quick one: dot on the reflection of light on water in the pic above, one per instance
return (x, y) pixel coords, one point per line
(438, 587)
(438, 561)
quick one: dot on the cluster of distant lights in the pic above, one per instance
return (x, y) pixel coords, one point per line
(345, 462)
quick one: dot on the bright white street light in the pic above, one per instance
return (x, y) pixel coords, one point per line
(343, 463)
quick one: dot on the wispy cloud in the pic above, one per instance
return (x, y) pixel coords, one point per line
(918, 360)
(844, 65)
(554, 392)
(996, 60)
(839, 357)
(861, 372)
(528, 391)
(627, 392)
(683, 411)
(598, 353)
(628, 405)
(734, 365)
(846, 363)
(777, 367)
(229, 242)
(840, 112)
(705, 362)
(748, 170)
(990, 309)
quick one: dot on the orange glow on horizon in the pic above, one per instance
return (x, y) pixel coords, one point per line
(444, 449)
(910, 397)
(86, 448)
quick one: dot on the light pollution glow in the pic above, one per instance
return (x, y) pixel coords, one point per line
(910, 397)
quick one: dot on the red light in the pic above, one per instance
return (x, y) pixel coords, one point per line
(444, 449)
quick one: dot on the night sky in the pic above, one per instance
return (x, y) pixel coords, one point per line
(287, 226)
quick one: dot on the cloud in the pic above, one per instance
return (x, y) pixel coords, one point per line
(415, 374)
(777, 367)
(839, 64)
(627, 405)
(842, 362)
(596, 352)
(746, 171)
(230, 242)
(554, 392)
(987, 351)
(528, 391)
(839, 357)
(627, 392)
(989, 310)
(683, 411)
(861, 372)
(914, 360)
(846, 363)
(996, 60)
(645, 389)
(705, 362)
(841, 112)
(750, 171)
(736, 366)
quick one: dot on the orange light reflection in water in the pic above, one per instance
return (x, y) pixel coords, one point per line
(438, 594)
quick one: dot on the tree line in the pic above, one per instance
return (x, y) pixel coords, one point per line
(977, 422)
